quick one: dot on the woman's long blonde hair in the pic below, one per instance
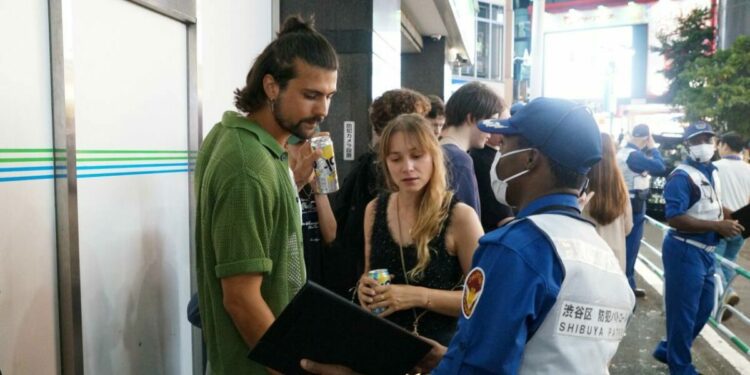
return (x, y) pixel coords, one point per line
(434, 206)
(606, 181)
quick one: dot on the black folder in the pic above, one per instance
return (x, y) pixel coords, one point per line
(743, 216)
(321, 326)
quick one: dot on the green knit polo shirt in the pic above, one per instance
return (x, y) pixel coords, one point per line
(247, 222)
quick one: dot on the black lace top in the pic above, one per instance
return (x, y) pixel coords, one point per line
(443, 272)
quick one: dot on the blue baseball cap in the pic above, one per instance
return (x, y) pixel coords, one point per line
(640, 130)
(564, 131)
(516, 107)
(695, 128)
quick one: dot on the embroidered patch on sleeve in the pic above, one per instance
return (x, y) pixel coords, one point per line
(472, 291)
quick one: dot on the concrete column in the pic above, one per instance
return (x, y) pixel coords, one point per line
(537, 48)
(367, 37)
(509, 31)
(425, 71)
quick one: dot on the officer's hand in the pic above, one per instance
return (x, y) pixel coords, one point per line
(366, 291)
(729, 228)
(325, 369)
(431, 360)
(651, 144)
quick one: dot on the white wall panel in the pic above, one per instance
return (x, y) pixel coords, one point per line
(131, 94)
(135, 274)
(28, 281)
(25, 75)
(231, 34)
(131, 69)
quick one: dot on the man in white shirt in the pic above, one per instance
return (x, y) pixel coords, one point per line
(734, 174)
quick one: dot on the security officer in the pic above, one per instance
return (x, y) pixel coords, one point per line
(695, 213)
(517, 314)
(638, 161)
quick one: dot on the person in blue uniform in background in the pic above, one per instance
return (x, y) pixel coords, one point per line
(697, 218)
(517, 314)
(638, 160)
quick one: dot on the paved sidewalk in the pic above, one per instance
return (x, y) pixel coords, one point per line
(645, 331)
(647, 328)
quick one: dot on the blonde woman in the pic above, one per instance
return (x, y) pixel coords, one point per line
(609, 206)
(419, 232)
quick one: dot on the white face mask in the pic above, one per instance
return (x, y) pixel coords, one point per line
(500, 187)
(702, 153)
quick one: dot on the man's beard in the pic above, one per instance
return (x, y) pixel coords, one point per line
(295, 128)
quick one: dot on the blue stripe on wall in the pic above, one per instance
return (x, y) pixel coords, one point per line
(91, 175)
(131, 173)
(85, 167)
(26, 169)
(25, 178)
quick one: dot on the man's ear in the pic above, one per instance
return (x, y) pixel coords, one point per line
(533, 159)
(270, 87)
(469, 118)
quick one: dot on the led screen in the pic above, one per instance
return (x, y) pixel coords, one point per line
(591, 64)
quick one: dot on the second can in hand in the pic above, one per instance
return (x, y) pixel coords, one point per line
(383, 277)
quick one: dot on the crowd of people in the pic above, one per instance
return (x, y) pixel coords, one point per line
(510, 233)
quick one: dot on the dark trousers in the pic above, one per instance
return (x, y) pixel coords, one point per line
(633, 239)
(689, 297)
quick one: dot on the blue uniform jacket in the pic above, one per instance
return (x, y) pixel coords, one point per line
(680, 193)
(522, 275)
(638, 161)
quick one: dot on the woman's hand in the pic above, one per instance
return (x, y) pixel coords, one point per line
(366, 290)
(397, 297)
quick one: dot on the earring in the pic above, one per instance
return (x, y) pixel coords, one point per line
(272, 102)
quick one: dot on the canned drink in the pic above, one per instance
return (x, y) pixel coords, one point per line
(383, 277)
(326, 178)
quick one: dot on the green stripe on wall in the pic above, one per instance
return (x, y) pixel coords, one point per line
(135, 152)
(28, 150)
(83, 160)
(22, 160)
(137, 158)
(33, 150)
(53, 155)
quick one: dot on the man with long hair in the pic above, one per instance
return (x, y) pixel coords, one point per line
(248, 231)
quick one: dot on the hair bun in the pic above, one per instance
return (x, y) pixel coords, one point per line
(296, 24)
